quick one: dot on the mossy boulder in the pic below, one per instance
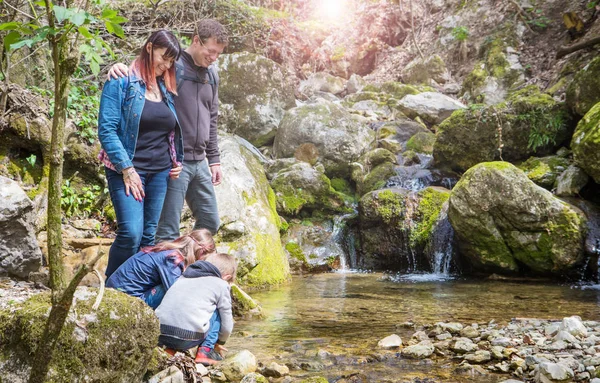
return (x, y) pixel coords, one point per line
(373, 169)
(338, 138)
(506, 223)
(111, 344)
(571, 181)
(582, 93)
(528, 123)
(301, 187)
(396, 227)
(586, 143)
(254, 93)
(544, 171)
(423, 71)
(322, 82)
(432, 107)
(421, 142)
(249, 221)
(394, 135)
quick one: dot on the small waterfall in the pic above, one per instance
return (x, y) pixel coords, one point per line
(440, 249)
(342, 236)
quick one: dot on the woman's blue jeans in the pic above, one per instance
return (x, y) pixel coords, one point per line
(136, 220)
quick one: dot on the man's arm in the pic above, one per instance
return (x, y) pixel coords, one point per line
(212, 148)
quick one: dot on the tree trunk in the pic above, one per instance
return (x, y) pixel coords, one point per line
(65, 61)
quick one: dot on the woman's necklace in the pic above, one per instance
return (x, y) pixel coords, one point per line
(153, 94)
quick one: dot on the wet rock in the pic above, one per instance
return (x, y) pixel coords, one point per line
(480, 356)
(421, 142)
(571, 181)
(392, 341)
(574, 326)
(239, 365)
(430, 106)
(553, 372)
(338, 139)
(254, 94)
(19, 250)
(312, 366)
(373, 169)
(586, 143)
(254, 377)
(522, 224)
(419, 351)
(275, 370)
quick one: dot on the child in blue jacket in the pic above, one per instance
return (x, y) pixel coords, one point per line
(151, 272)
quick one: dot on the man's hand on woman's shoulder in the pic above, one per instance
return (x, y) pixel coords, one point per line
(117, 70)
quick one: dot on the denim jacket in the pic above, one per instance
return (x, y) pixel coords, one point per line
(121, 107)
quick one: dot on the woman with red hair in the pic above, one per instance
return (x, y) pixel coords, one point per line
(142, 144)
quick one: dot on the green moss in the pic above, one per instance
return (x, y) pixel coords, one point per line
(296, 251)
(421, 142)
(389, 206)
(475, 80)
(376, 178)
(272, 268)
(544, 171)
(120, 317)
(338, 53)
(430, 205)
(586, 143)
(243, 301)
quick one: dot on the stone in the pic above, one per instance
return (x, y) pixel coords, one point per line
(238, 365)
(571, 181)
(373, 169)
(566, 336)
(544, 171)
(254, 377)
(391, 341)
(504, 221)
(302, 187)
(311, 247)
(503, 342)
(254, 93)
(430, 106)
(553, 372)
(355, 84)
(586, 143)
(338, 139)
(421, 350)
(452, 327)
(168, 375)
(480, 356)
(115, 344)
(19, 250)
(574, 326)
(469, 332)
(275, 370)
(582, 93)
(470, 136)
(323, 82)
(421, 142)
(463, 345)
(246, 199)
(425, 71)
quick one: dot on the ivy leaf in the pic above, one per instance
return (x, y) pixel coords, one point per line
(9, 26)
(11, 38)
(85, 32)
(78, 18)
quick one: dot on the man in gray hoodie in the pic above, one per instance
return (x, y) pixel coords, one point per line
(197, 108)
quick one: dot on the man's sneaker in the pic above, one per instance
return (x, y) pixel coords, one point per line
(207, 356)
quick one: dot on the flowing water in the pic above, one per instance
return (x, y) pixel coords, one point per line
(346, 314)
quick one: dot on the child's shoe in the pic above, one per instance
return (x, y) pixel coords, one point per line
(207, 356)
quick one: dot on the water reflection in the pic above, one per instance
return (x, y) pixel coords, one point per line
(347, 313)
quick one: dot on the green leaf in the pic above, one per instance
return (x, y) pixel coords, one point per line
(79, 18)
(118, 19)
(41, 3)
(85, 32)
(11, 38)
(95, 67)
(115, 29)
(10, 26)
(61, 13)
(108, 13)
(22, 43)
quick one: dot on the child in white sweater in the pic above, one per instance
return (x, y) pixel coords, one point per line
(199, 300)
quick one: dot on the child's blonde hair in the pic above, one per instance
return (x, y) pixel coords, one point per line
(226, 263)
(189, 248)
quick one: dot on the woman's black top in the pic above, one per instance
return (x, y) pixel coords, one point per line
(152, 147)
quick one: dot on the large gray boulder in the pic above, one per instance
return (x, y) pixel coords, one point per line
(249, 221)
(504, 221)
(19, 250)
(339, 140)
(254, 93)
(582, 93)
(586, 143)
(112, 344)
(432, 107)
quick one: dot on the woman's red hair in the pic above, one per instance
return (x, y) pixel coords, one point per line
(143, 66)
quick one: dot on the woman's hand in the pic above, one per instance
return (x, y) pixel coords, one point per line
(175, 171)
(221, 349)
(133, 184)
